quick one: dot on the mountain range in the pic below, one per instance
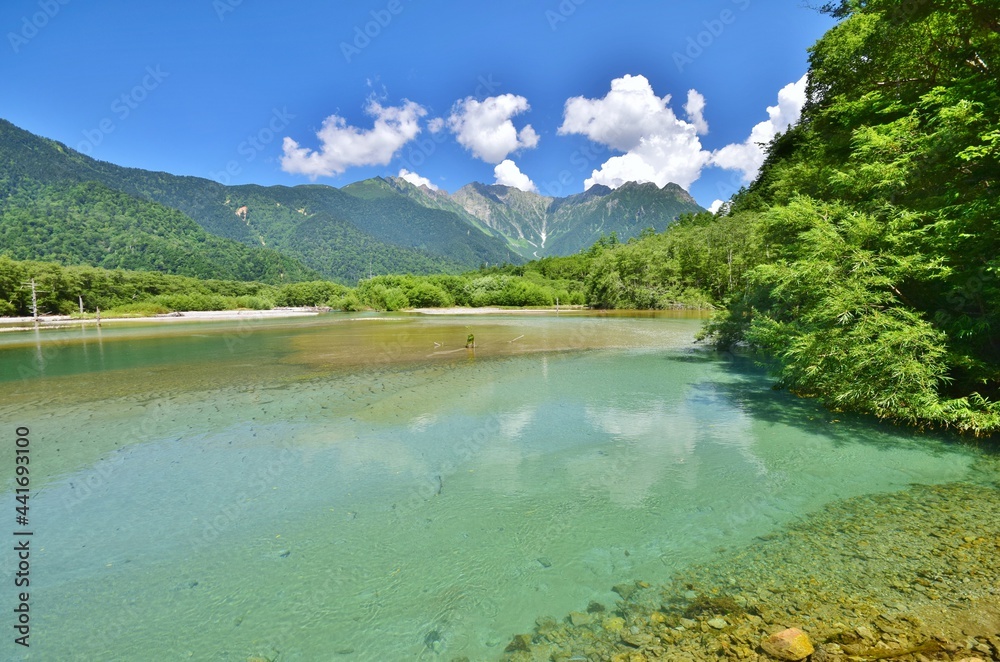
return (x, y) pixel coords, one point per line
(58, 204)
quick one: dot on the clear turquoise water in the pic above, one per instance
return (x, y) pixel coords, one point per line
(345, 488)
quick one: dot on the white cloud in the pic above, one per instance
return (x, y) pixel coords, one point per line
(416, 179)
(695, 110)
(343, 146)
(435, 125)
(659, 147)
(748, 156)
(485, 127)
(630, 112)
(716, 206)
(508, 174)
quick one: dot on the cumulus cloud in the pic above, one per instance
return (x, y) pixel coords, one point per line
(695, 110)
(486, 129)
(416, 179)
(716, 206)
(508, 174)
(435, 125)
(342, 146)
(749, 155)
(659, 147)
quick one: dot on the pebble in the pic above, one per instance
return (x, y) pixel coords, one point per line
(614, 624)
(791, 644)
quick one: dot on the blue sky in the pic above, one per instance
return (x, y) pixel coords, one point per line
(550, 94)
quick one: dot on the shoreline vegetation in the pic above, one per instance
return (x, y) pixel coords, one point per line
(559, 284)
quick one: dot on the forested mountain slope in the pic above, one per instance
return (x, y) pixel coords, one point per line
(335, 233)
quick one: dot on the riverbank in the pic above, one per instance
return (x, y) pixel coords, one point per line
(63, 321)
(492, 310)
(909, 576)
(548, 310)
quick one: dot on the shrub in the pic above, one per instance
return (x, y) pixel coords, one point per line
(253, 303)
(140, 309)
(426, 295)
(348, 303)
(314, 293)
(378, 296)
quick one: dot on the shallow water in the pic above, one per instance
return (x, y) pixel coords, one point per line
(365, 488)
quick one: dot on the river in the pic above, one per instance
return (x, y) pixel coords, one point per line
(364, 487)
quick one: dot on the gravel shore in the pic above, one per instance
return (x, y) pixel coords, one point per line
(59, 321)
(909, 576)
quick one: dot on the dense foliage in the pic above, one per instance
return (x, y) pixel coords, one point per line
(877, 220)
(92, 224)
(695, 263)
(60, 289)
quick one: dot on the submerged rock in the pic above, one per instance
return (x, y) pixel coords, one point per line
(433, 640)
(792, 644)
(520, 642)
(864, 632)
(613, 624)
